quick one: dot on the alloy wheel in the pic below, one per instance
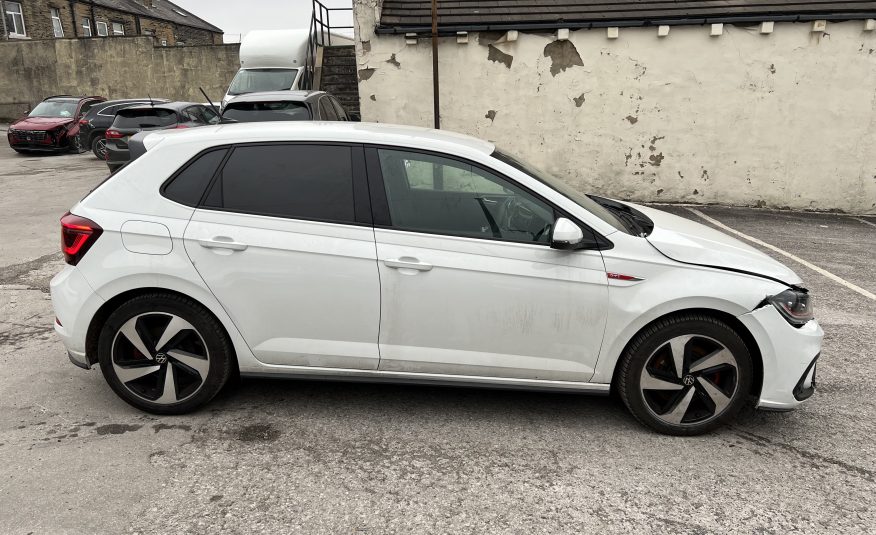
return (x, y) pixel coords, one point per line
(689, 379)
(160, 357)
(100, 148)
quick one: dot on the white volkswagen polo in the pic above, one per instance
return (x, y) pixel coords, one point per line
(389, 253)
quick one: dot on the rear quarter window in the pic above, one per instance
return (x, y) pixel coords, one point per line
(188, 185)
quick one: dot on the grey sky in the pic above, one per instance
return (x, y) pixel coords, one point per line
(237, 18)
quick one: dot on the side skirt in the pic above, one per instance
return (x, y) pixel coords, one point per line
(375, 376)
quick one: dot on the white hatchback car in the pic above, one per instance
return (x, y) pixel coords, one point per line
(390, 253)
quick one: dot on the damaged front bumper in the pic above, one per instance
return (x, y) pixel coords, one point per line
(789, 356)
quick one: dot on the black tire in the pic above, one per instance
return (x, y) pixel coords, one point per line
(21, 151)
(151, 308)
(659, 408)
(97, 147)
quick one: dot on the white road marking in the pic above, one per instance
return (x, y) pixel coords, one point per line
(872, 224)
(795, 258)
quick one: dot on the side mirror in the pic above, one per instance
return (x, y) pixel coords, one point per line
(566, 235)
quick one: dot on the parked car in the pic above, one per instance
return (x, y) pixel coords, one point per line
(285, 106)
(52, 126)
(94, 124)
(394, 253)
(134, 119)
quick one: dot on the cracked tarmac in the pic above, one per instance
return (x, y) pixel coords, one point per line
(271, 456)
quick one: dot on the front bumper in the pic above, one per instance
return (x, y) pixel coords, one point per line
(44, 143)
(789, 357)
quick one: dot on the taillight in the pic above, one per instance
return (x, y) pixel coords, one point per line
(77, 236)
(83, 122)
(113, 134)
(180, 126)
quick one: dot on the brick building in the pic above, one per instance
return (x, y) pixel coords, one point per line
(167, 23)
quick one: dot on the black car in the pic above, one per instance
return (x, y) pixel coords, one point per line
(284, 106)
(135, 119)
(94, 124)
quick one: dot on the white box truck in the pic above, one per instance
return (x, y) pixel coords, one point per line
(270, 60)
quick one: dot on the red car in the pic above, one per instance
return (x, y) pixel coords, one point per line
(52, 126)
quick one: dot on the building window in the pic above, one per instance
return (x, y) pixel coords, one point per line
(164, 42)
(150, 33)
(56, 23)
(15, 20)
(102, 29)
(118, 28)
(180, 43)
(86, 27)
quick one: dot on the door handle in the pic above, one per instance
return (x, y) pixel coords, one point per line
(407, 263)
(222, 242)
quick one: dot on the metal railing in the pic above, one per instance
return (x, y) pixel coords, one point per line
(320, 36)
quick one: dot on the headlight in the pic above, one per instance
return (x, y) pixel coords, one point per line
(795, 305)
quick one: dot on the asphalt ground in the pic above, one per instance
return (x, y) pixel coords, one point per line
(270, 456)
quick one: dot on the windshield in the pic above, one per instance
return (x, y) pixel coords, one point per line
(581, 199)
(253, 80)
(145, 118)
(246, 112)
(55, 108)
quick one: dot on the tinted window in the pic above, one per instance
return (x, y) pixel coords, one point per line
(144, 118)
(266, 111)
(439, 195)
(252, 80)
(342, 115)
(326, 110)
(297, 181)
(209, 115)
(188, 186)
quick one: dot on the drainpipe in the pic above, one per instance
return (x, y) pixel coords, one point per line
(93, 21)
(73, 16)
(4, 34)
(435, 98)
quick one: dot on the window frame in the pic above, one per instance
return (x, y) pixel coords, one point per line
(105, 26)
(20, 14)
(383, 219)
(122, 25)
(86, 27)
(361, 199)
(55, 13)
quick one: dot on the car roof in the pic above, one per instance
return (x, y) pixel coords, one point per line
(126, 100)
(176, 106)
(333, 131)
(294, 95)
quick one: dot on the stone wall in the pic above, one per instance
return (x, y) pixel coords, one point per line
(115, 68)
(786, 119)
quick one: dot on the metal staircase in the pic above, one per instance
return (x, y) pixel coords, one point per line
(331, 66)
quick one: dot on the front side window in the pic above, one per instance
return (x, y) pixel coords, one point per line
(86, 27)
(56, 23)
(118, 28)
(15, 20)
(440, 195)
(102, 29)
(313, 182)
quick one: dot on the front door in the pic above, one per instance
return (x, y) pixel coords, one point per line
(469, 283)
(284, 245)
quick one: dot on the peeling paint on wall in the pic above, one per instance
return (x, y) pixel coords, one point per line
(498, 56)
(579, 100)
(563, 56)
(394, 62)
(366, 74)
(491, 115)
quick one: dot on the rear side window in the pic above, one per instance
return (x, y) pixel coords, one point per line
(326, 110)
(189, 185)
(145, 118)
(297, 181)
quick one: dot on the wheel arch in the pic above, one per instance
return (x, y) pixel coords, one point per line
(725, 317)
(97, 322)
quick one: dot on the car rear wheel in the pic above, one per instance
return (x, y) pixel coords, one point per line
(686, 375)
(164, 354)
(98, 147)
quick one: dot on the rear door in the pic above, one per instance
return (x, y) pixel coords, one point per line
(284, 240)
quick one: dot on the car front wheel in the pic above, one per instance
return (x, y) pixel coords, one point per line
(686, 375)
(164, 354)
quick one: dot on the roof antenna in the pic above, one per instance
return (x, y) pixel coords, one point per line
(150, 100)
(218, 114)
